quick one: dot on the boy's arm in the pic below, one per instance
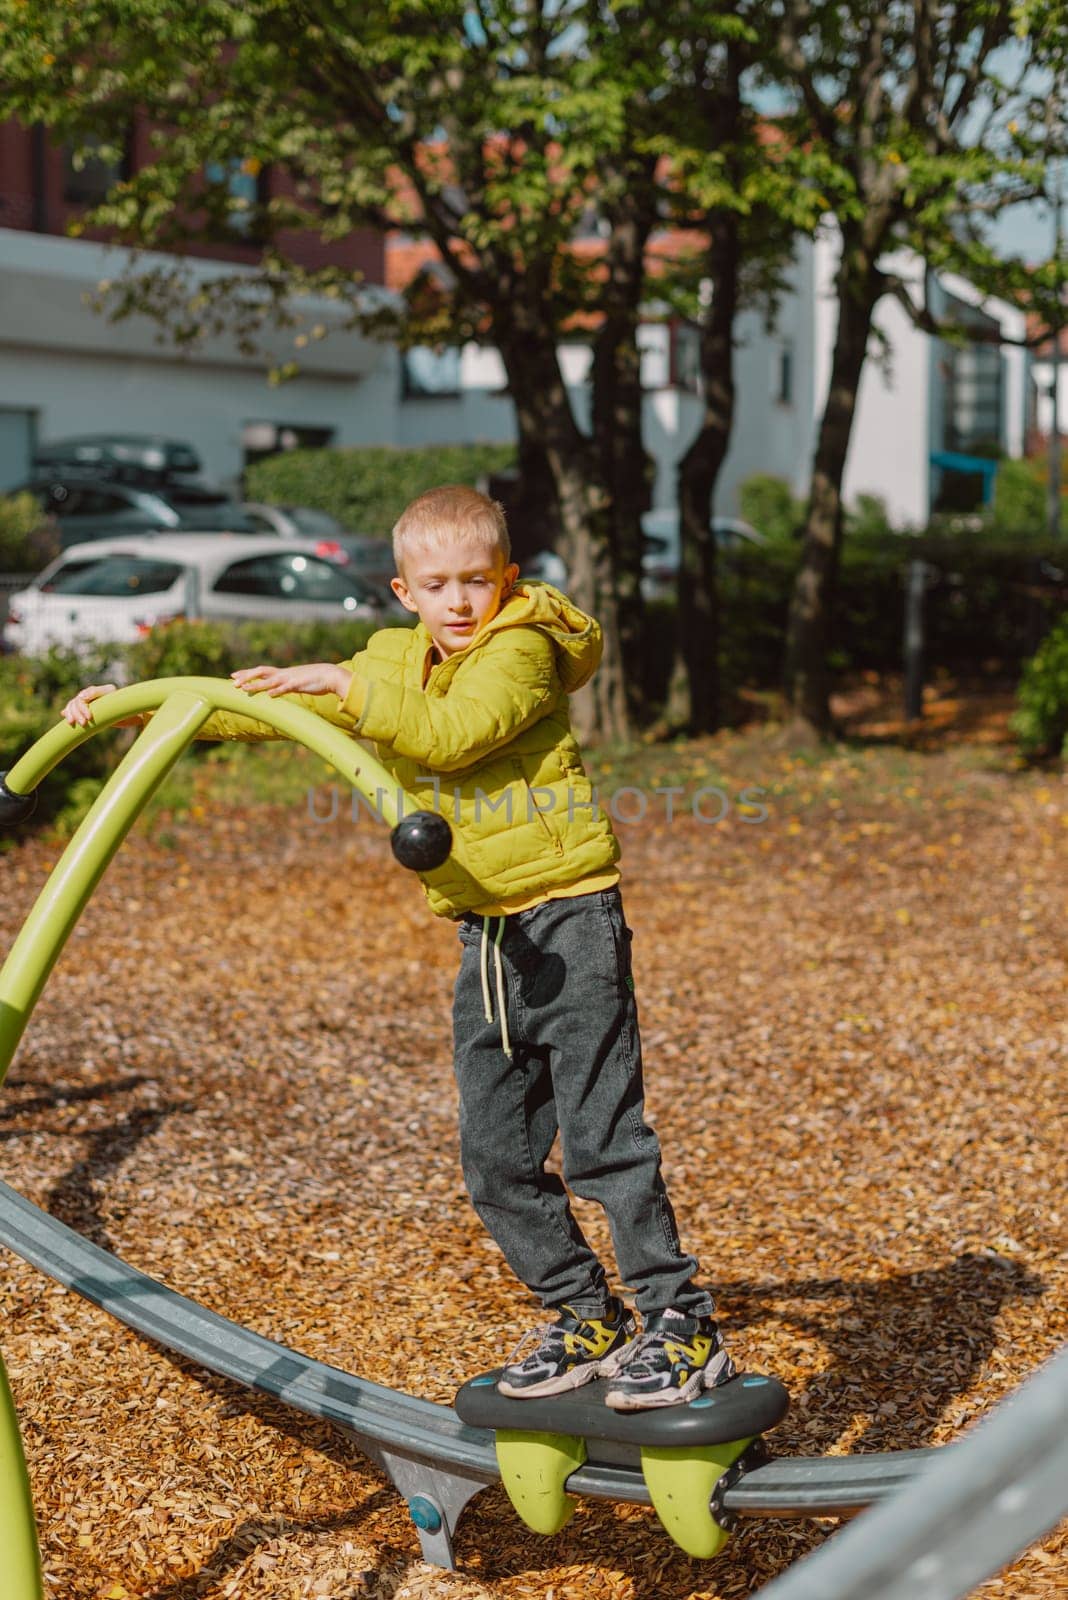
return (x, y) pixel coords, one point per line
(250, 730)
(512, 683)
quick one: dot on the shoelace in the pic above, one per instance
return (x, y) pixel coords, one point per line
(532, 1339)
(636, 1348)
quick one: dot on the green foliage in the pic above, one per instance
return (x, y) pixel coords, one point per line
(1041, 717)
(33, 691)
(1019, 509)
(767, 503)
(983, 604)
(868, 519)
(28, 538)
(214, 649)
(367, 489)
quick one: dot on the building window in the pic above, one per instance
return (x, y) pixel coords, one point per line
(670, 355)
(430, 374)
(972, 419)
(784, 376)
(239, 190)
(88, 178)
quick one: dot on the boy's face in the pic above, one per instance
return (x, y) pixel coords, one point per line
(456, 590)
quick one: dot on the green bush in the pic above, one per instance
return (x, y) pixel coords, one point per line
(29, 539)
(1019, 508)
(767, 504)
(985, 602)
(33, 691)
(215, 649)
(868, 519)
(367, 489)
(1041, 717)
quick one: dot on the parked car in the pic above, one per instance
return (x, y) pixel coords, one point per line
(293, 522)
(370, 558)
(97, 485)
(93, 508)
(142, 458)
(660, 556)
(118, 589)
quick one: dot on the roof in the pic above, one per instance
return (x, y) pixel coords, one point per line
(187, 546)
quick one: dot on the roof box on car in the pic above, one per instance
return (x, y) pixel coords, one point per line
(126, 458)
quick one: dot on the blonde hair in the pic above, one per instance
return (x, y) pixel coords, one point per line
(443, 515)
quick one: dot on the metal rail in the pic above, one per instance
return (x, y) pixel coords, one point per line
(949, 1522)
(1001, 1487)
(436, 1461)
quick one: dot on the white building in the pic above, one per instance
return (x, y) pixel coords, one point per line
(918, 397)
(64, 370)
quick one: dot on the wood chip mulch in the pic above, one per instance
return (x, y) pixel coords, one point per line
(238, 1078)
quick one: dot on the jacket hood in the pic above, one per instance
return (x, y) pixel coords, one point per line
(576, 637)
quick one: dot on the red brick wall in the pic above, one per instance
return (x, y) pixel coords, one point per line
(26, 204)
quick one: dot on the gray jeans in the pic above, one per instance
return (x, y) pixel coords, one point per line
(576, 1065)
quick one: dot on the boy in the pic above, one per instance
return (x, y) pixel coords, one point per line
(475, 697)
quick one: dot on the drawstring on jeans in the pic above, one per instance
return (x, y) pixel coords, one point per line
(502, 1011)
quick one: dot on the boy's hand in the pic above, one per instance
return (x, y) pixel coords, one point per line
(318, 677)
(77, 710)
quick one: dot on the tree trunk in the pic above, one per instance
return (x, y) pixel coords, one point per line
(544, 414)
(694, 695)
(625, 465)
(809, 630)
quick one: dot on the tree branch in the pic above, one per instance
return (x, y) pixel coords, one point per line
(923, 318)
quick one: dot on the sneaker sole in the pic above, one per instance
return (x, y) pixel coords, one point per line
(620, 1400)
(558, 1385)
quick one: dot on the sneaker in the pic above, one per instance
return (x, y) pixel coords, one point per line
(567, 1353)
(674, 1359)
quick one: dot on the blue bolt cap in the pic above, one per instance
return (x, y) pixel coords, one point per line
(424, 1513)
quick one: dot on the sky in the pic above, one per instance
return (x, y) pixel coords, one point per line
(1027, 231)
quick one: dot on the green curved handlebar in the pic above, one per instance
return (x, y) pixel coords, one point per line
(182, 706)
(20, 1559)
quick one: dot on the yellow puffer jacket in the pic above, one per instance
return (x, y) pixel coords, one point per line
(485, 738)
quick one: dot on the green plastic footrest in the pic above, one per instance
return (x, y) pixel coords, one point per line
(681, 1482)
(534, 1468)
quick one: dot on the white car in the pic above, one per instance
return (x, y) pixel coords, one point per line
(116, 590)
(370, 558)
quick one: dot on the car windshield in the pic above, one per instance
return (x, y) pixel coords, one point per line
(188, 494)
(289, 576)
(115, 575)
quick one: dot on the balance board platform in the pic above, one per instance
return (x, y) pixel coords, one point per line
(686, 1451)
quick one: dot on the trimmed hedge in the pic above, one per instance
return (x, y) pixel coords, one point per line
(985, 602)
(367, 489)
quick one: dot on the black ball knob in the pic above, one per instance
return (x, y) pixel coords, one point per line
(15, 808)
(421, 841)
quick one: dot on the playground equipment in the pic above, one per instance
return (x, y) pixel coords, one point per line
(700, 1468)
